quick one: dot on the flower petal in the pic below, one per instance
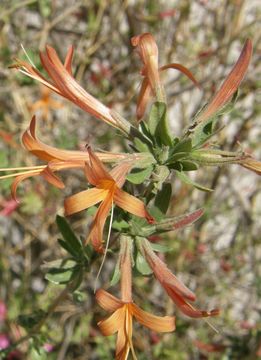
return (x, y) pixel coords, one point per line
(122, 345)
(17, 181)
(131, 204)
(168, 280)
(52, 178)
(68, 60)
(107, 301)
(119, 172)
(83, 200)
(153, 322)
(97, 166)
(96, 233)
(113, 323)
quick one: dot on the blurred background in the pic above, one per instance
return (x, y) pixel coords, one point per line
(217, 257)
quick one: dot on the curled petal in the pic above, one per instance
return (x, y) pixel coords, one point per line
(113, 323)
(131, 204)
(52, 178)
(107, 301)
(96, 233)
(182, 69)
(83, 200)
(17, 181)
(153, 322)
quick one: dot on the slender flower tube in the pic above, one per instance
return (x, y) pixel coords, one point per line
(230, 85)
(177, 291)
(57, 159)
(107, 190)
(151, 84)
(64, 84)
(124, 309)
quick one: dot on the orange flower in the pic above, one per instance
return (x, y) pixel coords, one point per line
(57, 159)
(108, 191)
(177, 291)
(151, 84)
(124, 310)
(64, 84)
(230, 85)
(45, 103)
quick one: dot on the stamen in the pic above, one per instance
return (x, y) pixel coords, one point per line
(28, 57)
(19, 173)
(106, 249)
(24, 168)
(211, 325)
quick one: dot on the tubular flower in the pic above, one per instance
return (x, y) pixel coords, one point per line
(151, 84)
(107, 190)
(64, 84)
(230, 85)
(177, 291)
(124, 310)
(57, 159)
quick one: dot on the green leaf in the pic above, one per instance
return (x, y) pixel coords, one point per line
(183, 146)
(60, 275)
(61, 271)
(157, 111)
(142, 265)
(141, 146)
(202, 131)
(163, 198)
(120, 225)
(175, 157)
(184, 165)
(159, 247)
(138, 176)
(136, 224)
(188, 165)
(162, 132)
(183, 177)
(116, 275)
(72, 241)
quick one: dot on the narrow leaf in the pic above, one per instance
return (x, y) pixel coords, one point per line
(183, 177)
(73, 243)
(138, 176)
(142, 265)
(163, 198)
